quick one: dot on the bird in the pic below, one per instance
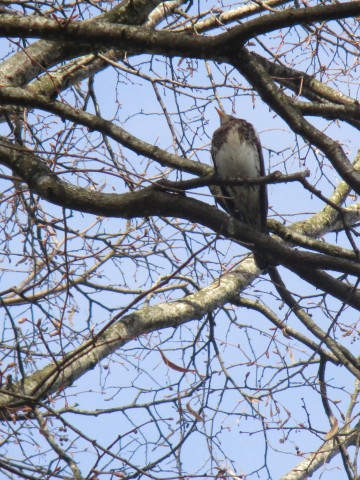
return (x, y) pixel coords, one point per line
(236, 152)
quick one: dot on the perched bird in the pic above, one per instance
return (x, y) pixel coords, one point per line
(236, 152)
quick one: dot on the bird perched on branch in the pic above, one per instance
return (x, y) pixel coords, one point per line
(236, 152)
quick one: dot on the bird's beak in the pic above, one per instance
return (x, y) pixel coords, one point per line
(222, 115)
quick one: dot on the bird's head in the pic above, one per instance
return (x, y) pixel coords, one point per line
(224, 117)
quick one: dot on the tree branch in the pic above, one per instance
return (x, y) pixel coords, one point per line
(136, 39)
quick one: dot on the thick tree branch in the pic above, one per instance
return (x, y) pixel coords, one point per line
(291, 236)
(224, 18)
(302, 83)
(287, 18)
(305, 469)
(329, 219)
(97, 35)
(37, 58)
(135, 39)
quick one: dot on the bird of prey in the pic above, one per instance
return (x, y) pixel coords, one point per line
(236, 152)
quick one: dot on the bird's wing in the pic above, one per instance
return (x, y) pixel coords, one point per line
(262, 191)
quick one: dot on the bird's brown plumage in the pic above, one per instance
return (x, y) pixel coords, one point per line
(236, 152)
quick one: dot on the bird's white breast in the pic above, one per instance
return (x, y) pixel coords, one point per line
(237, 159)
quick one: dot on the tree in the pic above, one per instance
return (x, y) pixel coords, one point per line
(139, 338)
